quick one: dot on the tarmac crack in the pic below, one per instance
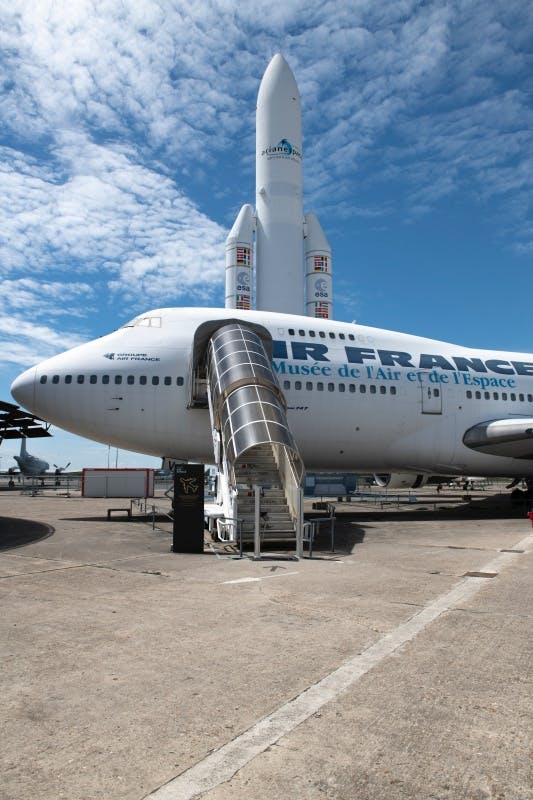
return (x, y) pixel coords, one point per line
(84, 566)
(42, 571)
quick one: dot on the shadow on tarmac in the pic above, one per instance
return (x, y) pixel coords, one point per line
(443, 508)
(21, 532)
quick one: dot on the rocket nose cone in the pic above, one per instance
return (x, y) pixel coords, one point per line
(277, 62)
(278, 77)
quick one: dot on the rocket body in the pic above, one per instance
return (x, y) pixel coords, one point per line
(278, 222)
(278, 176)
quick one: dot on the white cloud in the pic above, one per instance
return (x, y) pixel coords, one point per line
(24, 343)
(108, 210)
(116, 115)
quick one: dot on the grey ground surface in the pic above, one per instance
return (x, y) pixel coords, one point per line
(123, 664)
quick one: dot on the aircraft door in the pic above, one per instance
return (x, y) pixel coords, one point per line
(431, 397)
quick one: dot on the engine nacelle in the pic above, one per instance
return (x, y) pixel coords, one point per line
(400, 480)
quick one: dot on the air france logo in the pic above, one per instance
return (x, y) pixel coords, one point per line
(130, 357)
(283, 149)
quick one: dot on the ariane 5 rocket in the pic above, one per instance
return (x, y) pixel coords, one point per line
(282, 233)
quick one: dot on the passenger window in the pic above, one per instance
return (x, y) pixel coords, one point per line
(312, 334)
(393, 390)
(331, 387)
(383, 390)
(436, 392)
(362, 388)
(68, 378)
(55, 379)
(93, 379)
(342, 336)
(301, 332)
(495, 395)
(478, 395)
(179, 381)
(105, 378)
(80, 378)
(291, 331)
(530, 398)
(168, 381)
(298, 385)
(342, 387)
(309, 386)
(143, 380)
(286, 384)
(487, 395)
(352, 387)
(118, 379)
(513, 396)
(322, 334)
(43, 379)
(331, 335)
(372, 389)
(351, 337)
(521, 398)
(504, 395)
(155, 380)
(469, 394)
(131, 380)
(320, 386)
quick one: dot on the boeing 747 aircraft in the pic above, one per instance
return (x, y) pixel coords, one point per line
(220, 385)
(357, 398)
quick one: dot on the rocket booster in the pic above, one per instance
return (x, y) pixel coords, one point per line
(239, 249)
(318, 283)
(278, 222)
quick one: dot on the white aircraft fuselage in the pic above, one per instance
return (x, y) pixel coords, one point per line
(358, 398)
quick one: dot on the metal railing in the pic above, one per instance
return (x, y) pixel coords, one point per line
(311, 527)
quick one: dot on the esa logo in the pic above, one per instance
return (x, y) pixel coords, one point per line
(243, 281)
(321, 288)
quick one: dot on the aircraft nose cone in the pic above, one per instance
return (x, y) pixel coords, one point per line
(23, 390)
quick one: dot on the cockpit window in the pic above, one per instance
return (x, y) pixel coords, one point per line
(144, 322)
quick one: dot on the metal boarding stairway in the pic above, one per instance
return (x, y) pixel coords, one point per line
(253, 444)
(275, 519)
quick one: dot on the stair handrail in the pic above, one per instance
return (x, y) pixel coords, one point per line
(291, 480)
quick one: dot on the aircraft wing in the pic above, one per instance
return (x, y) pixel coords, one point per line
(502, 437)
(18, 424)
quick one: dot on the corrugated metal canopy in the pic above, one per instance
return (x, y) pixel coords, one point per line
(15, 423)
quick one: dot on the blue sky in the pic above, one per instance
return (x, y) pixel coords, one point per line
(127, 147)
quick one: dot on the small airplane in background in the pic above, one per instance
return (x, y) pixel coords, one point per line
(59, 470)
(18, 424)
(29, 465)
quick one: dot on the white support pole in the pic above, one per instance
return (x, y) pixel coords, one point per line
(257, 524)
(299, 525)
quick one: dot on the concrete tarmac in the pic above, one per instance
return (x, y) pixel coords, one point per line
(383, 670)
